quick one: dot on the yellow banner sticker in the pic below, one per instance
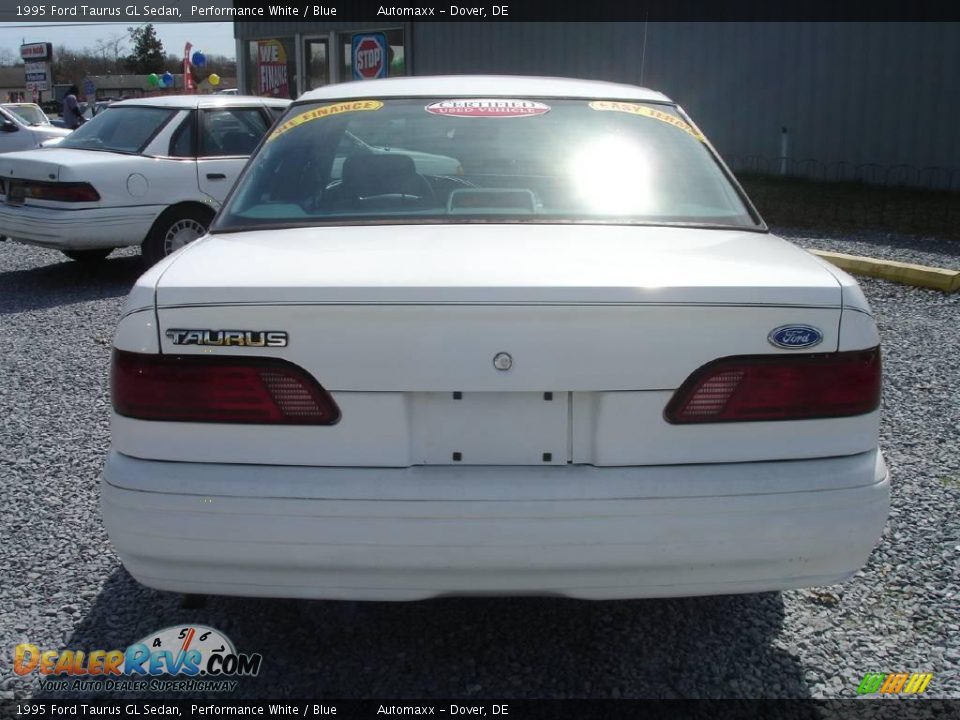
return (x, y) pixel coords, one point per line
(649, 112)
(325, 111)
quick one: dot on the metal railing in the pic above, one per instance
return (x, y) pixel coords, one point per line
(812, 193)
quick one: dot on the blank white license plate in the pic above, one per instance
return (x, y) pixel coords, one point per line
(491, 428)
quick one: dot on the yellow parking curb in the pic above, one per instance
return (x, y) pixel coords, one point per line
(906, 273)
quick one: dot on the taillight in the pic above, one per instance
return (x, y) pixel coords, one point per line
(188, 388)
(779, 387)
(62, 192)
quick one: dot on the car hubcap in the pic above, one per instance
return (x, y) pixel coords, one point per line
(180, 233)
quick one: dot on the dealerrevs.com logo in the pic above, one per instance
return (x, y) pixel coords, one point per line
(894, 683)
(191, 658)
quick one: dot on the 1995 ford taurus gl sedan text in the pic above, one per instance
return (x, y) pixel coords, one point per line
(492, 335)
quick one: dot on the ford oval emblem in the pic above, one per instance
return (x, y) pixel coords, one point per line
(795, 336)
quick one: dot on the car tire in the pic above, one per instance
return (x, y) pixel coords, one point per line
(88, 256)
(175, 228)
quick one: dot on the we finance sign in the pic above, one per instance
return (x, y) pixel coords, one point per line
(272, 69)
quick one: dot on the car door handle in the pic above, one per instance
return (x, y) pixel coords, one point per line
(216, 176)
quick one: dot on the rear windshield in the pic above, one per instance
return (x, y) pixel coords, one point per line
(476, 159)
(30, 114)
(118, 129)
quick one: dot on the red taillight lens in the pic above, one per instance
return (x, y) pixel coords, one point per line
(779, 387)
(188, 388)
(62, 192)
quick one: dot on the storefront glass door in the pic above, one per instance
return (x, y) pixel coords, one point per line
(316, 63)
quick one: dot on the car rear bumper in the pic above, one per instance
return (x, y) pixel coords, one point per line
(407, 534)
(81, 229)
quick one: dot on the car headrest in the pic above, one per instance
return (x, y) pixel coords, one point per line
(374, 174)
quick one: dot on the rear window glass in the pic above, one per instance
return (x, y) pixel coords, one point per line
(30, 114)
(474, 159)
(119, 129)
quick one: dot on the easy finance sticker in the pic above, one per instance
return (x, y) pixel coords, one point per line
(645, 111)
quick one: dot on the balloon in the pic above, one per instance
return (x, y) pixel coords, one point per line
(214, 79)
(167, 79)
(152, 79)
(161, 82)
(198, 59)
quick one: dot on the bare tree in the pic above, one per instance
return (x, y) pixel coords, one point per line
(72, 66)
(108, 57)
(112, 48)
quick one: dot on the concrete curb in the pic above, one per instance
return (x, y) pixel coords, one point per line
(906, 273)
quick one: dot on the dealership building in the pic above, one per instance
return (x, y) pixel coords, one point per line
(856, 94)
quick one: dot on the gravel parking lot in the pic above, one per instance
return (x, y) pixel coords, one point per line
(61, 586)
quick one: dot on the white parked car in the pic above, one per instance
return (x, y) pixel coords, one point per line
(581, 367)
(149, 172)
(24, 126)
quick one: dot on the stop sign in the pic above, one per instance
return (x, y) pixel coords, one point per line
(369, 56)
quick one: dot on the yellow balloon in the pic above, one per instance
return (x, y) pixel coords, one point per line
(214, 79)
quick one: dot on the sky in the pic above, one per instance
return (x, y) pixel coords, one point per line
(215, 38)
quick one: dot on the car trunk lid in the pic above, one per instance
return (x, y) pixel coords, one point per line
(403, 325)
(56, 164)
(426, 308)
(499, 263)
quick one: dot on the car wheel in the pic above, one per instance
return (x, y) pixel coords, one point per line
(88, 256)
(174, 229)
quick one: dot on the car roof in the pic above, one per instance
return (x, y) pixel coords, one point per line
(191, 102)
(484, 86)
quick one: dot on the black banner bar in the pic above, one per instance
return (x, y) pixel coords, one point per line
(492, 709)
(160, 11)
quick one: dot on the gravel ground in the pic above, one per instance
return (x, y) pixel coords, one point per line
(883, 245)
(62, 586)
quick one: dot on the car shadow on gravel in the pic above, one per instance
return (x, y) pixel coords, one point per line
(67, 282)
(476, 647)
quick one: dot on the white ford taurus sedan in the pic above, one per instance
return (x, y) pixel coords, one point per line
(576, 364)
(24, 126)
(149, 172)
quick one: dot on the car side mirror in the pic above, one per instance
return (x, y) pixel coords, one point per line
(9, 126)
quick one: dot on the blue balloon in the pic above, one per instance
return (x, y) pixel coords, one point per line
(198, 59)
(161, 82)
(167, 79)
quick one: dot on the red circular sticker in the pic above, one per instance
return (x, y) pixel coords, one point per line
(493, 107)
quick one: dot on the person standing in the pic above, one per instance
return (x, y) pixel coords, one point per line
(72, 117)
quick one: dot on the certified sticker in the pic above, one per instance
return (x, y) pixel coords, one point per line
(489, 107)
(325, 111)
(645, 111)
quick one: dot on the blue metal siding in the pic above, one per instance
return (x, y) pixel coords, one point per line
(885, 93)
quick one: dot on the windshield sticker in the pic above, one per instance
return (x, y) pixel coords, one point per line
(489, 108)
(649, 112)
(325, 111)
